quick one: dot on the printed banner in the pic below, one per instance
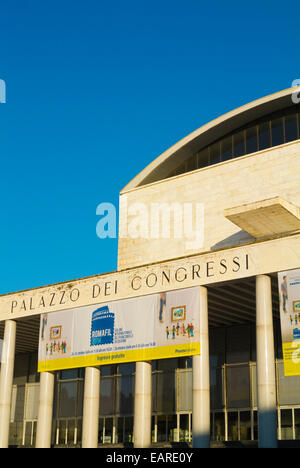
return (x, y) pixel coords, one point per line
(289, 293)
(158, 326)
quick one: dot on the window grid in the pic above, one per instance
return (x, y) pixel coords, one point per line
(200, 159)
(228, 422)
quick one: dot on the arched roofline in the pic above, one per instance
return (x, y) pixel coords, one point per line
(208, 133)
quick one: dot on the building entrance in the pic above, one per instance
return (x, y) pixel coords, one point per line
(233, 383)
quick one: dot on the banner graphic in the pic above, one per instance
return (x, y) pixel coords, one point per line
(157, 326)
(289, 293)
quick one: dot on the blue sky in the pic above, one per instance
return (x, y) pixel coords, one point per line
(95, 91)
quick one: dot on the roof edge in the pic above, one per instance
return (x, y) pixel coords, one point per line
(184, 142)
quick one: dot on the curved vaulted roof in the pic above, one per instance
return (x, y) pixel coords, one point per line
(161, 167)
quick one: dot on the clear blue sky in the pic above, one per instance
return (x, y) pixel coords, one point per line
(95, 91)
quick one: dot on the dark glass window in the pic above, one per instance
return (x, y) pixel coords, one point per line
(251, 140)
(217, 340)
(180, 169)
(167, 364)
(291, 131)
(238, 386)
(128, 429)
(107, 396)
(108, 430)
(239, 144)
(277, 132)
(125, 395)
(161, 428)
(233, 425)
(166, 392)
(120, 429)
(215, 153)
(219, 426)
(172, 427)
(191, 164)
(68, 392)
(297, 422)
(245, 425)
(273, 130)
(69, 374)
(216, 388)
(184, 433)
(126, 369)
(238, 344)
(264, 135)
(286, 424)
(80, 393)
(203, 158)
(226, 149)
(108, 370)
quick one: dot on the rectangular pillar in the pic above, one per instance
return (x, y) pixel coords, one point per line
(265, 367)
(142, 404)
(45, 410)
(6, 380)
(90, 422)
(201, 381)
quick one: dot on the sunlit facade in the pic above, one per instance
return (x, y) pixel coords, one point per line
(237, 165)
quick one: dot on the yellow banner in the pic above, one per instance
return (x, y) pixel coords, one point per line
(163, 352)
(291, 358)
(158, 326)
(289, 295)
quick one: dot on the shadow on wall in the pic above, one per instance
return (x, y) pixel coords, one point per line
(240, 237)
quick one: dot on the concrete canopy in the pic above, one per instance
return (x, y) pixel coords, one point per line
(266, 217)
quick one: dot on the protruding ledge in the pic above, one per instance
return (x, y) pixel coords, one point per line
(266, 217)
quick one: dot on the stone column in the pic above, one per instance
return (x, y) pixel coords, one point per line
(265, 367)
(201, 386)
(91, 399)
(142, 404)
(6, 380)
(45, 410)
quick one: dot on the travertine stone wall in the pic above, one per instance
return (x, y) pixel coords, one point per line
(263, 175)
